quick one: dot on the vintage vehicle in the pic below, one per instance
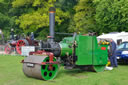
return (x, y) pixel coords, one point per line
(11, 45)
(78, 51)
(25, 42)
(14, 45)
(122, 52)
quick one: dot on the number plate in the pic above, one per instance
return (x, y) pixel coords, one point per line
(30, 65)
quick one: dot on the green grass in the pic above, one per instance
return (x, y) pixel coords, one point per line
(11, 74)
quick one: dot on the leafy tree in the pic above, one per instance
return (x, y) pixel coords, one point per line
(111, 15)
(83, 19)
(65, 6)
(71, 16)
(38, 18)
(6, 21)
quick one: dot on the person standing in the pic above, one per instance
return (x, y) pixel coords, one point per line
(113, 58)
(32, 37)
(2, 36)
(12, 34)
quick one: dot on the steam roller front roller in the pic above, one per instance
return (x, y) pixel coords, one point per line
(32, 67)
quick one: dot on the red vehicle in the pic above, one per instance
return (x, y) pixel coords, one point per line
(10, 46)
(15, 45)
(25, 42)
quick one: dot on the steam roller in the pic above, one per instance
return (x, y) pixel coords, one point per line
(36, 70)
(78, 51)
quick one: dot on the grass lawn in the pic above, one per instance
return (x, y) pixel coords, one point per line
(11, 74)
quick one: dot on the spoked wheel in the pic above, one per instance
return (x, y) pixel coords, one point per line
(46, 73)
(98, 68)
(19, 44)
(35, 70)
(7, 49)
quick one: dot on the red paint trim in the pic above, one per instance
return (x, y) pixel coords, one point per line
(103, 48)
(84, 34)
(49, 36)
(50, 60)
(43, 63)
(39, 52)
(50, 63)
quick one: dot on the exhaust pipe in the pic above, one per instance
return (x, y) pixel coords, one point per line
(52, 11)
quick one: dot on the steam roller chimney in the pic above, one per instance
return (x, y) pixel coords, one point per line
(52, 11)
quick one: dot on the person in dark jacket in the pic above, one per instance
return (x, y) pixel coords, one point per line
(12, 34)
(2, 36)
(113, 59)
(32, 37)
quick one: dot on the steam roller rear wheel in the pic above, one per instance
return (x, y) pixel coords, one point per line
(98, 68)
(34, 70)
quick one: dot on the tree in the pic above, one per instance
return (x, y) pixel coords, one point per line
(38, 17)
(65, 6)
(111, 15)
(83, 19)
(6, 20)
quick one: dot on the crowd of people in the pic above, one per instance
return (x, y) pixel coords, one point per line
(16, 37)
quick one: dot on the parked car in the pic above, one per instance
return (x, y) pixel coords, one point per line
(122, 52)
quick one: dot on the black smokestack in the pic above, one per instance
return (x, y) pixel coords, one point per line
(52, 11)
